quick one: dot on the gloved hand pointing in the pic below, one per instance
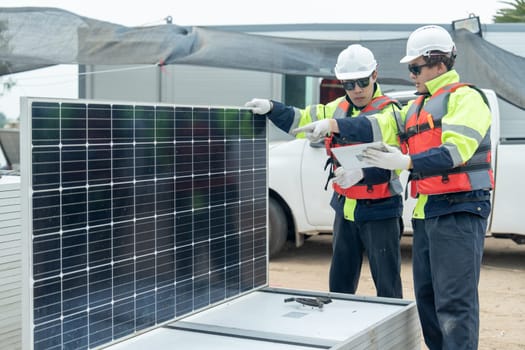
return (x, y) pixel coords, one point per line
(315, 131)
(259, 105)
(392, 159)
(347, 178)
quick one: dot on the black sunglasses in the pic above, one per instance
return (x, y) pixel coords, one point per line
(350, 84)
(415, 69)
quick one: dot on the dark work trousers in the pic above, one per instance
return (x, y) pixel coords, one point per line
(380, 240)
(446, 262)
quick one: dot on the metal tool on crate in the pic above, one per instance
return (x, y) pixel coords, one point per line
(313, 302)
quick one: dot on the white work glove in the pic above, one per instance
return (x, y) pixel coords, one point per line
(259, 105)
(315, 131)
(347, 178)
(392, 159)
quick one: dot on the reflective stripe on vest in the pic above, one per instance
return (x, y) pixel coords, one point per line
(423, 131)
(361, 190)
(342, 109)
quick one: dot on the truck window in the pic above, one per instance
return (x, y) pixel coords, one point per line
(294, 90)
(10, 149)
(3, 160)
(330, 90)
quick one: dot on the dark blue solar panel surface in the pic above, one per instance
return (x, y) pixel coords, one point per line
(141, 214)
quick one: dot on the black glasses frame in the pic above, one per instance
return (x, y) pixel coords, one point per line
(350, 84)
(416, 69)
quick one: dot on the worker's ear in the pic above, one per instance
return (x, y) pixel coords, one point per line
(442, 68)
(374, 76)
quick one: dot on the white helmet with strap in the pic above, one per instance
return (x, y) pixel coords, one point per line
(426, 39)
(355, 62)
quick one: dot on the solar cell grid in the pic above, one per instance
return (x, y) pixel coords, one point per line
(140, 214)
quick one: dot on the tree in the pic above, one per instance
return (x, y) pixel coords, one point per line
(511, 15)
(6, 85)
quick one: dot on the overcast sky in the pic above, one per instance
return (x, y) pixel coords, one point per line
(61, 81)
(211, 12)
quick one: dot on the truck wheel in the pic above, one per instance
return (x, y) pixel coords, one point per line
(278, 227)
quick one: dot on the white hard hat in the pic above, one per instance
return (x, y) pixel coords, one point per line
(425, 39)
(355, 62)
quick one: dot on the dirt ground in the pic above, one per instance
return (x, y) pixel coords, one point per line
(502, 284)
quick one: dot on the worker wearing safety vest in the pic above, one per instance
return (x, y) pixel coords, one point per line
(444, 136)
(372, 221)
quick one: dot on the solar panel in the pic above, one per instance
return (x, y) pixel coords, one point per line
(138, 214)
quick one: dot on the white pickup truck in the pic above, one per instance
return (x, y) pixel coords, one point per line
(299, 205)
